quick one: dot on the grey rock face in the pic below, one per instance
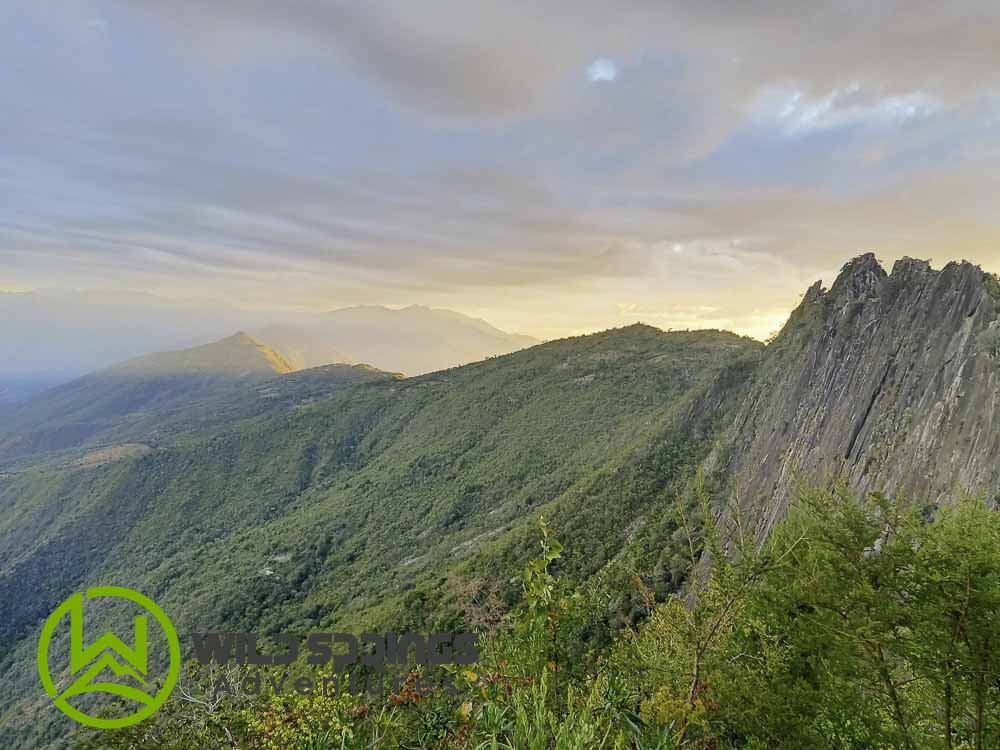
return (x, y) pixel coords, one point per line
(888, 381)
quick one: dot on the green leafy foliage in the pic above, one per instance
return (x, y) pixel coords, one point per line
(374, 507)
(861, 624)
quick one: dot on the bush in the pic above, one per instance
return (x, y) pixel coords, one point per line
(860, 624)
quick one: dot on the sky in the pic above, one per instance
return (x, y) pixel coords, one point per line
(553, 168)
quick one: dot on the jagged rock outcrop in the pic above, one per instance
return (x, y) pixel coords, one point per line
(888, 381)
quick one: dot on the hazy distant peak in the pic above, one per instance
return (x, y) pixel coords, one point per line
(236, 355)
(425, 312)
(240, 338)
(277, 363)
(414, 339)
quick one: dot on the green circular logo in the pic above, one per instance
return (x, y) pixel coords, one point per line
(88, 664)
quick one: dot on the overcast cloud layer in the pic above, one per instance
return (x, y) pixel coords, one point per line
(551, 167)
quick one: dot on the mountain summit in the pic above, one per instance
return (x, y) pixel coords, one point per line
(142, 394)
(236, 356)
(889, 381)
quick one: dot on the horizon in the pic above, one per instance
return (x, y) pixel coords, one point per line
(280, 313)
(280, 316)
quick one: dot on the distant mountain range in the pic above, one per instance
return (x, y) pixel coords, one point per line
(413, 340)
(54, 335)
(155, 395)
(153, 398)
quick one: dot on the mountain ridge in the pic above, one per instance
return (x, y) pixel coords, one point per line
(415, 339)
(157, 396)
(236, 356)
(888, 381)
(76, 332)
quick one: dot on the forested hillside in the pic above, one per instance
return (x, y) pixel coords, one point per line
(150, 400)
(860, 624)
(354, 511)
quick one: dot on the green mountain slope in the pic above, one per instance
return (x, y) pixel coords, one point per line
(351, 512)
(151, 398)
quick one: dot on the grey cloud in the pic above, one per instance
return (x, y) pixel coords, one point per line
(485, 60)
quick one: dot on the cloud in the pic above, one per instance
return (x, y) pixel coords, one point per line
(797, 113)
(602, 69)
(455, 58)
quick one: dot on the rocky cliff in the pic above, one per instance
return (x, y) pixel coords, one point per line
(888, 381)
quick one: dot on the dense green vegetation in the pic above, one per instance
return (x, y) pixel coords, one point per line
(384, 506)
(861, 624)
(155, 408)
(398, 505)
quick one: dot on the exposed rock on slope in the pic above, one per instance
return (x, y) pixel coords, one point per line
(890, 381)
